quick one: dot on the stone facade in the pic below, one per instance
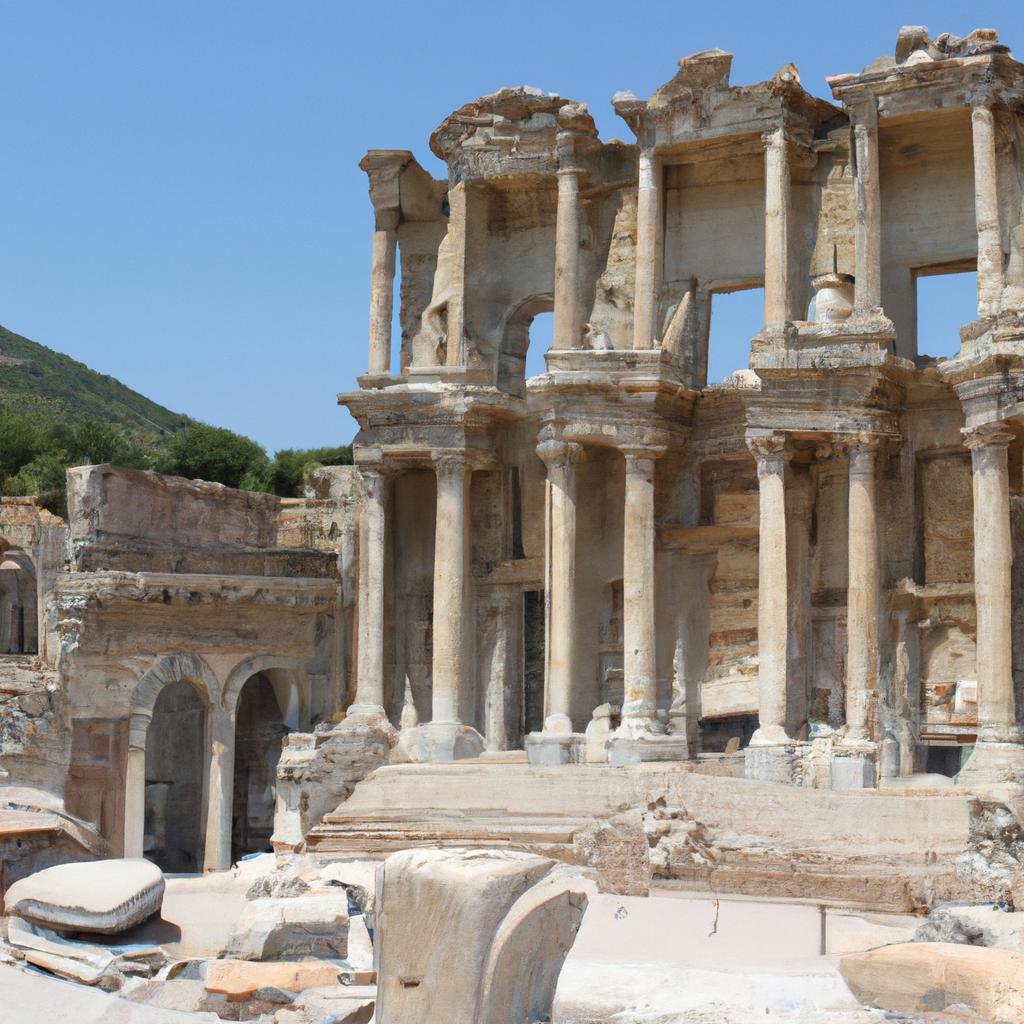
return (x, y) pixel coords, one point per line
(808, 573)
(826, 541)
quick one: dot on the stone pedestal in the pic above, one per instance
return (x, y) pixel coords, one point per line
(544, 748)
(649, 747)
(776, 762)
(854, 767)
(993, 763)
(448, 741)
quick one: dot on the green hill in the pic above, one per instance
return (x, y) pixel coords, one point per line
(50, 386)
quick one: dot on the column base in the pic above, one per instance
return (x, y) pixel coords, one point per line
(447, 741)
(364, 718)
(652, 746)
(776, 762)
(770, 736)
(853, 765)
(993, 764)
(546, 748)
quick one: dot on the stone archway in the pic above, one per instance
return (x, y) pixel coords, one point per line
(171, 778)
(266, 697)
(19, 616)
(515, 341)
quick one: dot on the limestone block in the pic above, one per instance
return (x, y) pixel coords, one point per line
(618, 850)
(84, 962)
(985, 924)
(933, 977)
(25, 995)
(474, 935)
(852, 770)
(320, 777)
(106, 896)
(240, 980)
(291, 928)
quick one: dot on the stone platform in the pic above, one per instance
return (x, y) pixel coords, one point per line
(890, 849)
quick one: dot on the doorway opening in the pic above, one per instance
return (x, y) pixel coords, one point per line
(735, 318)
(263, 719)
(946, 299)
(175, 780)
(19, 622)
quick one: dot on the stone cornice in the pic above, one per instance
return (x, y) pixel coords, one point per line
(84, 589)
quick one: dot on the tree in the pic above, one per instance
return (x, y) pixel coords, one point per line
(212, 453)
(286, 473)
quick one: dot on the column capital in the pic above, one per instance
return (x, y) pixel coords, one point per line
(770, 450)
(449, 461)
(635, 454)
(987, 435)
(775, 136)
(860, 449)
(557, 454)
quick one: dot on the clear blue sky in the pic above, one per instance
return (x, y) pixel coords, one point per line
(179, 196)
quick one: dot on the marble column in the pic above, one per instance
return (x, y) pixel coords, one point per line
(568, 322)
(451, 590)
(993, 558)
(502, 677)
(561, 458)
(863, 591)
(776, 227)
(369, 699)
(868, 211)
(445, 737)
(382, 285)
(772, 591)
(638, 590)
(648, 252)
(221, 790)
(986, 211)
(134, 797)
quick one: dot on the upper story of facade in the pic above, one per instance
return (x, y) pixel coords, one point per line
(836, 209)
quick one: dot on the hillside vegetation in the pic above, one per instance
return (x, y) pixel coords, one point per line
(56, 412)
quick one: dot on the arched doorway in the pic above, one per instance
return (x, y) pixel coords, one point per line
(268, 709)
(18, 606)
(175, 779)
(516, 338)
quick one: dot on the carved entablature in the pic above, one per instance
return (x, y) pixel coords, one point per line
(519, 132)
(942, 73)
(698, 106)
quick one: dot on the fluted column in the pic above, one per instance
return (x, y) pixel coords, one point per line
(568, 322)
(648, 251)
(776, 227)
(986, 211)
(561, 458)
(639, 652)
(451, 585)
(369, 698)
(382, 286)
(868, 285)
(863, 593)
(772, 590)
(993, 558)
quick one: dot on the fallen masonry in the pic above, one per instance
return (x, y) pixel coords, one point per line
(612, 692)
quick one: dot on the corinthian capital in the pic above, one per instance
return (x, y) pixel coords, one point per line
(559, 455)
(770, 450)
(987, 435)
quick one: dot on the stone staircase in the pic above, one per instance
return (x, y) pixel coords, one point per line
(868, 848)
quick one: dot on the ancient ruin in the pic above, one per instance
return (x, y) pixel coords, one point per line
(564, 653)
